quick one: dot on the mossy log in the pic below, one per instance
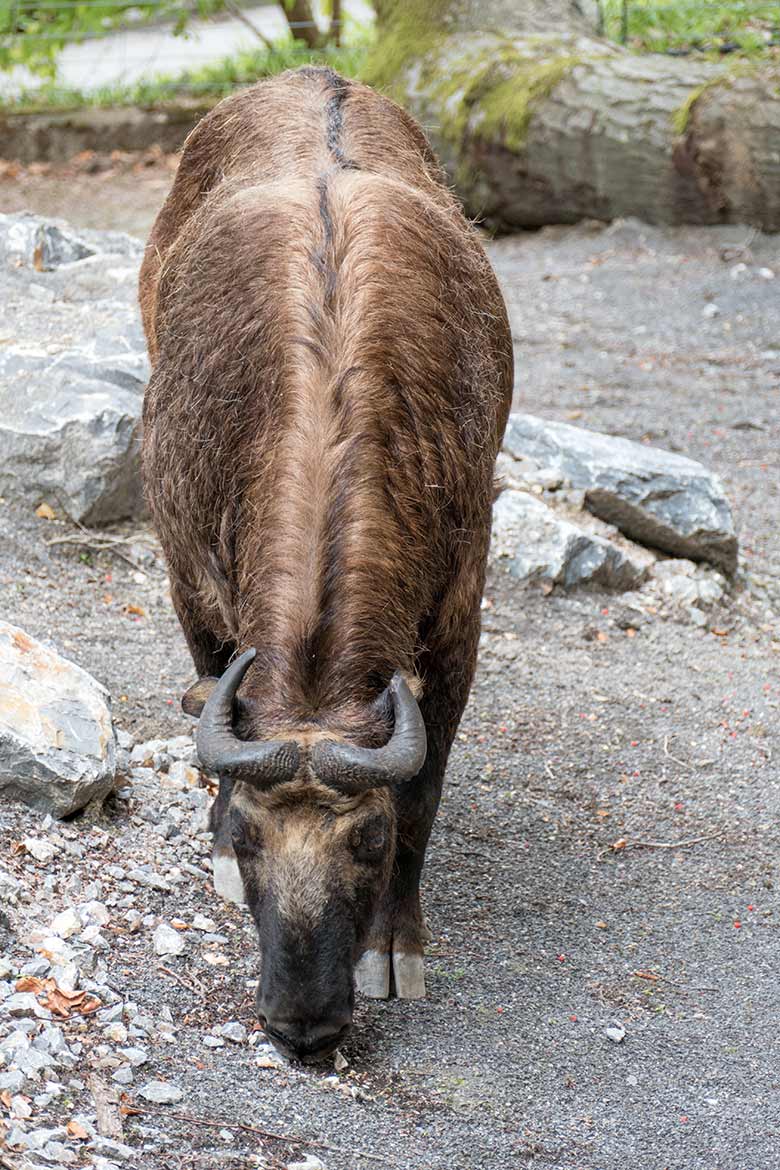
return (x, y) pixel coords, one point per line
(539, 121)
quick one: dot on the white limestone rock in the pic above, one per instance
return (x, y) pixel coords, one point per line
(57, 744)
(536, 545)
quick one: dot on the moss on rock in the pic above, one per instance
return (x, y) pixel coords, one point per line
(489, 91)
(682, 115)
(501, 93)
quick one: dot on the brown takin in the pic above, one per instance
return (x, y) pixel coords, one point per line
(332, 371)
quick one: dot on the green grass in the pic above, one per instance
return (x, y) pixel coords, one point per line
(705, 26)
(207, 84)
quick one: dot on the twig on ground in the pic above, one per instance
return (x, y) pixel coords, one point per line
(652, 976)
(674, 844)
(289, 1138)
(109, 1118)
(622, 845)
(196, 987)
(99, 543)
(682, 763)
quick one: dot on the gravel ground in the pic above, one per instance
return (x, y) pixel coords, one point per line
(606, 849)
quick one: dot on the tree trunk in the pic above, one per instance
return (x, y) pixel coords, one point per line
(538, 121)
(302, 24)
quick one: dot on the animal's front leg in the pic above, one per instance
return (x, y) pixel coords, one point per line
(396, 943)
(393, 958)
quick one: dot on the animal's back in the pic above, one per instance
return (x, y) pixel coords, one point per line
(332, 373)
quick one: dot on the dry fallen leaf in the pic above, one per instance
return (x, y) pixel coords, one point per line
(621, 843)
(76, 1130)
(135, 609)
(64, 1003)
(45, 511)
(60, 1003)
(30, 983)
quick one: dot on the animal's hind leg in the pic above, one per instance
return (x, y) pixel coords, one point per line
(210, 653)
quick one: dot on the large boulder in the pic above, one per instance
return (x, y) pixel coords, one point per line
(73, 368)
(57, 743)
(536, 545)
(662, 500)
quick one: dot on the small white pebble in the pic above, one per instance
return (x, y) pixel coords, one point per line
(167, 941)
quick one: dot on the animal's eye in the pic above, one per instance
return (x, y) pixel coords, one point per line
(369, 839)
(242, 834)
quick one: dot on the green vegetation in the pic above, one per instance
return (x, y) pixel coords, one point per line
(693, 25)
(492, 88)
(32, 32)
(207, 84)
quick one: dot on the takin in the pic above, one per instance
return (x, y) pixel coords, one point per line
(332, 373)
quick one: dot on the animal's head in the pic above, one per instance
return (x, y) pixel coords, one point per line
(313, 828)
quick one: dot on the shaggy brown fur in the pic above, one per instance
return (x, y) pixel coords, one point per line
(332, 375)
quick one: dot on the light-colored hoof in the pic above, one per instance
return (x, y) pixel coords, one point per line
(408, 975)
(227, 877)
(372, 975)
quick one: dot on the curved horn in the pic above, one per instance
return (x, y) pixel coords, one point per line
(354, 769)
(260, 762)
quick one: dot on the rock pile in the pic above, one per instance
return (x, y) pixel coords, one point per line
(582, 508)
(655, 497)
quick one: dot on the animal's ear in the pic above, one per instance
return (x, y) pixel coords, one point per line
(194, 700)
